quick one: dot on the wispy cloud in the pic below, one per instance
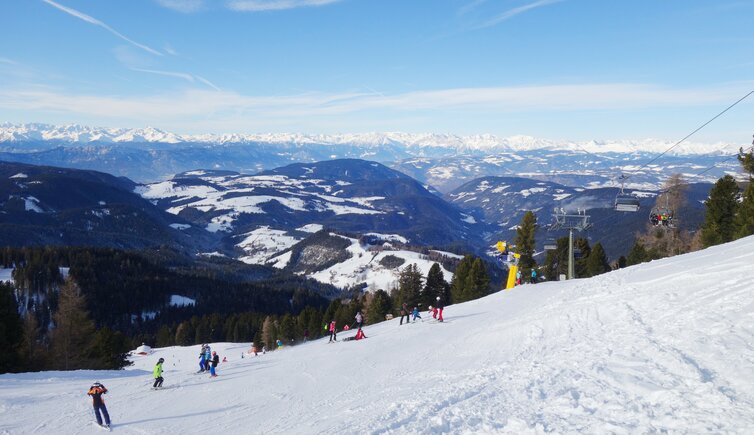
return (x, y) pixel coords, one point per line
(468, 7)
(197, 104)
(184, 76)
(185, 6)
(96, 22)
(275, 5)
(7, 61)
(516, 11)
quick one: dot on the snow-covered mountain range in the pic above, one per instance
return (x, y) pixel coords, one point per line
(74, 134)
(661, 347)
(441, 160)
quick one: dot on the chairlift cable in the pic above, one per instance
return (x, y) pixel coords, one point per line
(689, 135)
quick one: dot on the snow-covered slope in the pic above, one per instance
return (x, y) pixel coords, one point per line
(660, 347)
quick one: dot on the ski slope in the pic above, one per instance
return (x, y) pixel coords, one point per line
(663, 346)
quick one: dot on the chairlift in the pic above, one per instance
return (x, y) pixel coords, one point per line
(626, 201)
(550, 244)
(663, 217)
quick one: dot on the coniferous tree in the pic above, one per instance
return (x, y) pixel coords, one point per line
(745, 218)
(435, 286)
(477, 281)
(378, 307)
(10, 329)
(269, 332)
(638, 254)
(458, 282)
(73, 334)
(747, 160)
(409, 285)
(31, 351)
(184, 334)
(525, 243)
(556, 261)
(110, 350)
(164, 337)
(596, 262)
(722, 206)
(581, 244)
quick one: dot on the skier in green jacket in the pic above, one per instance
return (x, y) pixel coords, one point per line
(158, 374)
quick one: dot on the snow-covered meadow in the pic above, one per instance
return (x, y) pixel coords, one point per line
(666, 346)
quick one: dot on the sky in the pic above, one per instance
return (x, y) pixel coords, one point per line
(557, 69)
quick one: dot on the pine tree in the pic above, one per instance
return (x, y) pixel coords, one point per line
(581, 244)
(596, 262)
(378, 307)
(745, 218)
(556, 261)
(458, 282)
(477, 282)
(747, 160)
(184, 334)
(637, 254)
(110, 350)
(722, 206)
(435, 286)
(10, 329)
(74, 331)
(525, 243)
(409, 285)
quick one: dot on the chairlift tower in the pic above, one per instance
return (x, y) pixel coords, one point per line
(570, 222)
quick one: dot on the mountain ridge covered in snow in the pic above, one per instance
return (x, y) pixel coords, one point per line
(74, 134)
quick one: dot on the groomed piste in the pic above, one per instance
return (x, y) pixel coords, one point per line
(662, 346)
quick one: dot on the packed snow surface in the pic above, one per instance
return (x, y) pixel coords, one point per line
(666, 346)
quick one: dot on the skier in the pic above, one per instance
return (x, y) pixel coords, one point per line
(359, 335)
(359, 319)
(533, 276)
(416, 314)
(215, 361)
(306, 335)
(518, 277)
(202, 365)
(158, 374)
(96, 391)
(333, 337)
(207, 356)
(404, 313)
(439, 307)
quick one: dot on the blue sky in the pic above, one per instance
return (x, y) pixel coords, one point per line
(558, 69)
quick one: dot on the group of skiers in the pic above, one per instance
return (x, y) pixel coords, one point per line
(661, 219)
(208, 360)
(333, 329)
(533, 277)
(436, 312)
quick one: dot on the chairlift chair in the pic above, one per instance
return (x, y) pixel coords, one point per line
(662, 217)
(626, 203)
(550, 244)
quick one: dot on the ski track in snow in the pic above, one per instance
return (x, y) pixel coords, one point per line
(666, 346)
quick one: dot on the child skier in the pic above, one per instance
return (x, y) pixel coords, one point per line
(158, 374)
(207, 356)
(96, 391)
(215, 361)
(202, 365)
(359, 319)
(333, 337)
(416, 315)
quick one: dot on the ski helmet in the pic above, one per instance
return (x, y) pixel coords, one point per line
(161, 360)
(438, 298)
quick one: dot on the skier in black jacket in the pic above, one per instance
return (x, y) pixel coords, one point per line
(215, 361)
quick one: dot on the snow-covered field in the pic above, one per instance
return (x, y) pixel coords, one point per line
(661, 347)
